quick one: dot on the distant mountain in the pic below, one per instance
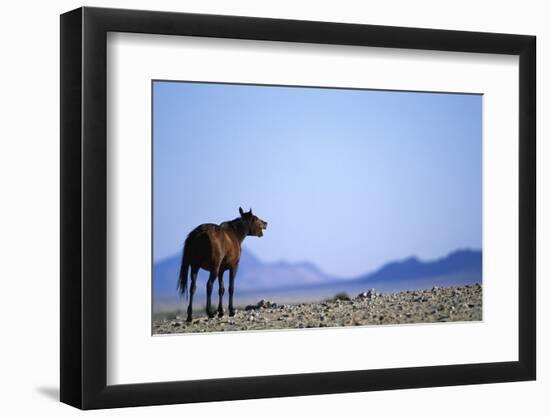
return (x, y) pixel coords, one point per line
(165, 276)
(304, 279)
(252, 275)
(458, 262)
(280, 274)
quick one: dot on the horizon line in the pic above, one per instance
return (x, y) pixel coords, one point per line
(422, 260)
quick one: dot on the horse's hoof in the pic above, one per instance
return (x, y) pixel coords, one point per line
(231, 313)
(189, 319)
(220, 314)
(211, 315)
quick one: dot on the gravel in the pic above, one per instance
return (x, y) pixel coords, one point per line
(368, 308)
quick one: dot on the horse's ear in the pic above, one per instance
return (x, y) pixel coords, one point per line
(250, 210)
(241, 212)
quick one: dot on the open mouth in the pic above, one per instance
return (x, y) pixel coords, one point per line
(260, 234)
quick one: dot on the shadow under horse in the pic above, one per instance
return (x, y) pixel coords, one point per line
(216, 248)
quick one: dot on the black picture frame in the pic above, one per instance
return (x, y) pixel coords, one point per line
(84, 207)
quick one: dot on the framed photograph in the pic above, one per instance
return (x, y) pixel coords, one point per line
(257, 208)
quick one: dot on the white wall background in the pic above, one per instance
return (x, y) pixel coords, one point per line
(29, 212)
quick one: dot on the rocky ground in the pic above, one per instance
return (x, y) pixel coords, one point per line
(368, 308)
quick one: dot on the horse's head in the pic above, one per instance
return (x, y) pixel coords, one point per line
(255, 224)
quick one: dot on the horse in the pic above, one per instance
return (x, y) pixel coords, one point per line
(216, 248)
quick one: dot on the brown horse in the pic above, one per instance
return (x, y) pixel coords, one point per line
(216, 248)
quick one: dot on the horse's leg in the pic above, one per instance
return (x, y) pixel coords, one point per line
(194, 272)
(209, 287)
(221, 290)
(232, 273)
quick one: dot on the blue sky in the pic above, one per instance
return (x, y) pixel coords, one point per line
(346, 179)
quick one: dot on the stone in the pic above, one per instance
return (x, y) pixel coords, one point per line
(392, 308)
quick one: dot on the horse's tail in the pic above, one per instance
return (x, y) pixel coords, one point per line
(184, 272)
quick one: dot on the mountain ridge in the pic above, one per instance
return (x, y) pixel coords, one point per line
(255, 275)
(412, 267)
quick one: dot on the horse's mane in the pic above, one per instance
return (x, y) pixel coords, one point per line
(238, 225)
